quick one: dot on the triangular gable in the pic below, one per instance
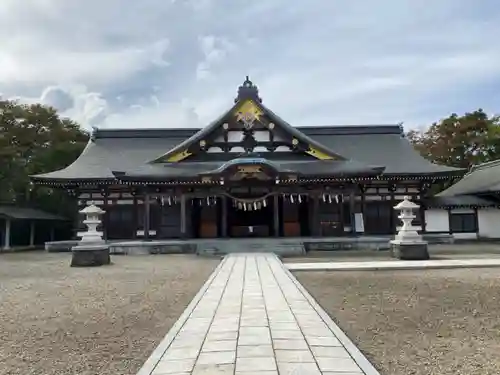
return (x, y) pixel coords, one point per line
(248, 126)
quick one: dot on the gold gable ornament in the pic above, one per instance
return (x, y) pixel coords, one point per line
(319, 154)
(181, 155)
(248, 113)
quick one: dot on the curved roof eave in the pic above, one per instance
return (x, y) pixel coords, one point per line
(300, 135)
(196, 136)
(59, 174)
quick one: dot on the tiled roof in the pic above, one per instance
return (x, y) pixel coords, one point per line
(128, 149)
(23, 213)
(481, 178)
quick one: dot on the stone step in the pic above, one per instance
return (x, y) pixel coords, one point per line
(227, 247)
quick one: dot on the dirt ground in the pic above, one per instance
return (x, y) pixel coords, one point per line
(438, 322)
(90, 321)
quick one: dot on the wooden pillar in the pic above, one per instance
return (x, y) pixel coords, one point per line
(6, 245)
(135, 217)
(393, 219)
(362, 190)
(32, 233)
(315, 222)
(223, 216)
(476, 218)
(341, 213)
(421, 212)
(422, 191)
(276, 213)
(106, 221)
(183, 216)
(352, 208)
(147, 216)
(450, 230)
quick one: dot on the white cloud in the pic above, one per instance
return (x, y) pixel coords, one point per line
(171, 115)
(215, 51)
(91, 67)
(153, 63)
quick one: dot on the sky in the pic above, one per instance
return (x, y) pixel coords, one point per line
(178, 63)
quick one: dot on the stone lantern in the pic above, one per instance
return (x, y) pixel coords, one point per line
(408, 244)
(92, 250)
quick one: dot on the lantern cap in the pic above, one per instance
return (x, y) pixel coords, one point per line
(91, 209)
(406, 203)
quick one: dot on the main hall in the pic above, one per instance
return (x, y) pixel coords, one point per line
(250, 173)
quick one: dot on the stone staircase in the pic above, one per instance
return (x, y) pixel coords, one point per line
(222, 247)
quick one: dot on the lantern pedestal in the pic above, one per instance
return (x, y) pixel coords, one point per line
(408, 244)
(91, 251)
(90, 256)
(409, 251)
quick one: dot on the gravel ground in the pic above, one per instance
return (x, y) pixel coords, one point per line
(438, 322)
(90, 321)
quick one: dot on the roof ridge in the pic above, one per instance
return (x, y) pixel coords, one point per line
(485, 165)
(188, 132)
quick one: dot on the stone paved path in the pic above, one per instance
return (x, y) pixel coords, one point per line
(394, 265)
(252, 317)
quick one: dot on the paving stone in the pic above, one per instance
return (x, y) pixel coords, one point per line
(290, 344)
(256, 364)
(330, 351)
(254, 339)
(298, 369)
(181, 353)
(283, 326)
(337, 364)
(254, 331)
(222, 336)
(287, 334)
(228, 320)
(216, 358)
(227, 369)
(186, 343)
(223, 328)
(175, 366)
(316, 332)
(258, 373)
(190, 336)
(254, 323)
(297, 356)
(219, 346)
(252, 351)
(323, 341)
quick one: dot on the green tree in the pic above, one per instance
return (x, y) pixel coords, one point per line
(33, 140)
(460, 141)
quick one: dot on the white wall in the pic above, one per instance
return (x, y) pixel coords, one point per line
(489, 222)
(436, 220)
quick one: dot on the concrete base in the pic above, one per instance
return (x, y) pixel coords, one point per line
(410, 251)
(90, 256)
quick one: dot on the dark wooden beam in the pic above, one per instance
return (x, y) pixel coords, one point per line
(183, 216)
(276, 213)
(224, 218)
(147, 216)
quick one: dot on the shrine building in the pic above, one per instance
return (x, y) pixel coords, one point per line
(250, 173)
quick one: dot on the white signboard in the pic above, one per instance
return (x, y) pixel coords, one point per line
(359, 222)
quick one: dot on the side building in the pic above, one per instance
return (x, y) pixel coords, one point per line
(250, 173)
(469, 209)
